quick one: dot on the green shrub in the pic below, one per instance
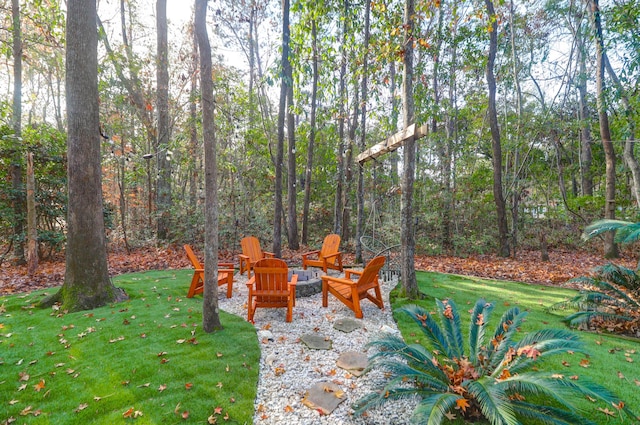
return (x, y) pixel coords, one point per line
(497, 379)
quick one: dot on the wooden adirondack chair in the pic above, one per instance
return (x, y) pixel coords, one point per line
(351, 292)
(270, 287)
(251, 252)
(225, 275)
(329, 257)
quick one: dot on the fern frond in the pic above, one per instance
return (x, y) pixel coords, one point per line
(451, 324)
(479, 319)
(548, 415)
(493, 401)
(432, 409)
(428, 326)
(602, 226)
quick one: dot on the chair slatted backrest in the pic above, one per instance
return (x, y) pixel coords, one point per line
(192, 257)
(369, 277)
(251, 248)
(330, 246)
(271, 274)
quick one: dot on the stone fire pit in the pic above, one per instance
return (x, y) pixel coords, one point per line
(309, 282)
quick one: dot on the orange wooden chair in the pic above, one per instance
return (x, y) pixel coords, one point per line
(251, 252)
(351, 292)
(270, 287)
(329, 257)
(225, 275)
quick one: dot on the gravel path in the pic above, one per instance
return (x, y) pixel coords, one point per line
(288, 368)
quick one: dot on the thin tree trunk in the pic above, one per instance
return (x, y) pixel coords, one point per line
(340, 178)
(32, 222)
(162, 147)
(312, 134)
(586, 175)
(193, 138)
(16, 167)
(503, 234)
(210, 309)
(292, 218)
(363, 130)
(408, 272)
(610, 247)
(629, 145)
(277, 221)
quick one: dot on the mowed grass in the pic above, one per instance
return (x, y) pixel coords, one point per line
(612, 361)
(146, 360)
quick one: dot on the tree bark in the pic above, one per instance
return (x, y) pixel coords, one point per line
(503, 234)
(32, 222)
(292, 216)
(18, 200)
(210, 309)
(312, 134)
(338, 209)
(586, 176)
(610, 247)
(363, 128)
(408, 272)
(86, 283)
(162, 147)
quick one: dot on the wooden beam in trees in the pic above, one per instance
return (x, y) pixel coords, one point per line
(393, 142)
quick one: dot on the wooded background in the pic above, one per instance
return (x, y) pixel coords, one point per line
(566, 75)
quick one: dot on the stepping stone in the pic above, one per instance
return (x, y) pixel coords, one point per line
(347, 325)
(316, 342)
(324, 396)
(353, 362)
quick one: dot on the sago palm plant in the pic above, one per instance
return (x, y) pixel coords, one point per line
(610, 295)
(493, 378)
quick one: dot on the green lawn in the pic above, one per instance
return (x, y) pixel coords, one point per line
(611, 361)
(147, 357)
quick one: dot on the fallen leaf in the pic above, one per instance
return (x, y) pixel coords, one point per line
(188, 385)
(162, 387)
(40, 385)
(81, 407)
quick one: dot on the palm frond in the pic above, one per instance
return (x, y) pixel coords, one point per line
(580, 317)
(493, 401)
(451, 324)
(378, 398)
(428, 325)
(602, 226)
(617, 274)
(505, 331)
(548, 415)
(628, 234)
(479, 319)
(430, 378)
(432, 409)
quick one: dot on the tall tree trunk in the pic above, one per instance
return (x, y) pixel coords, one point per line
(395, 109)
(629, 145)
(586, 175)
(503, 234)
(610, 247)
(86, 283)
(32, 222)
(312, 133)
(16, 167)
(210, 309)
(363, 130)
(408, 272)
(292, 216)
(193, 138)
(277, 220)
(163, 156)
(338, 209)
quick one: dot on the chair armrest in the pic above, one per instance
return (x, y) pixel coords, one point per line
(268, 254)
(335, 254)
(243, 257)
(306, 254)
(251, 281)
(226, 265)
(294, 280)
(226, 271)
(341, 280)
(348, 273)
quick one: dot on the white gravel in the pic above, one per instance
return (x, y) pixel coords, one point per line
(288, 368)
